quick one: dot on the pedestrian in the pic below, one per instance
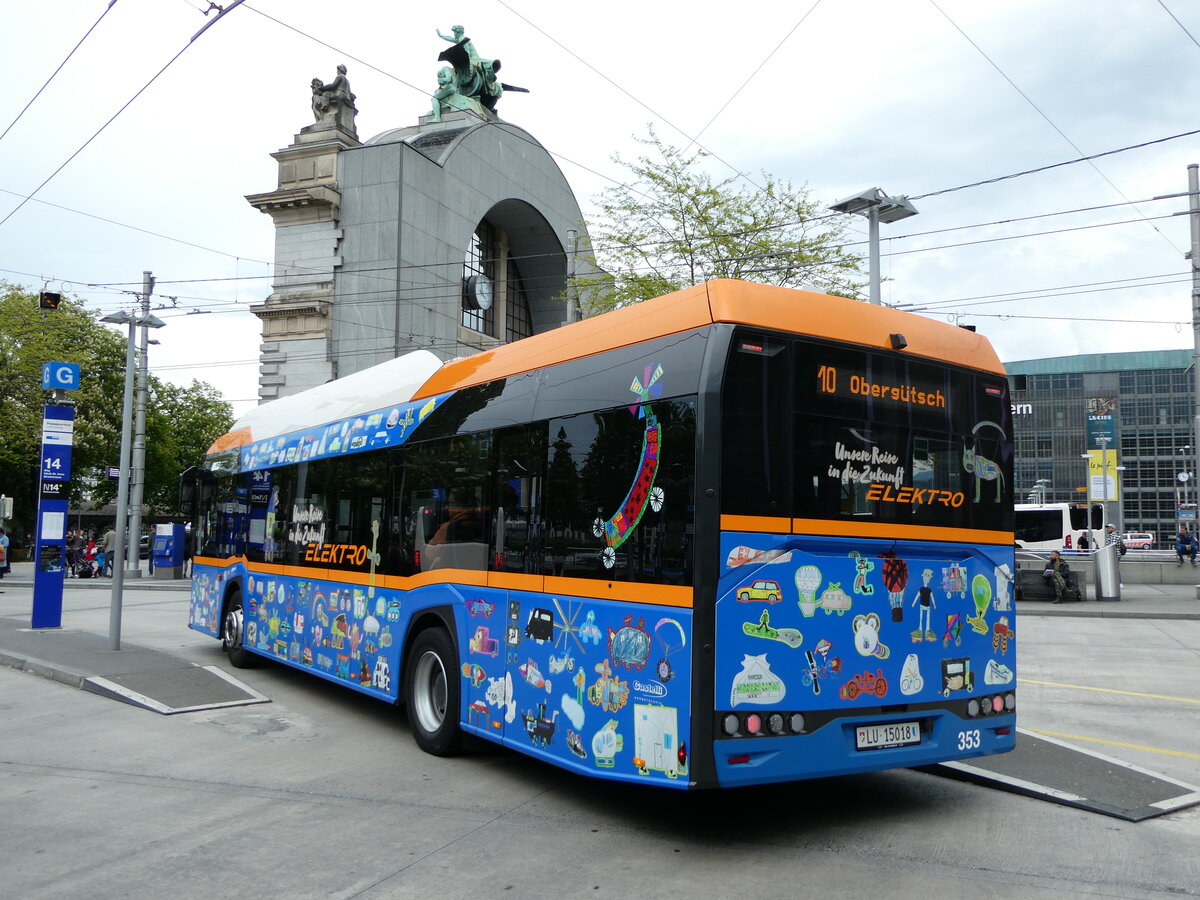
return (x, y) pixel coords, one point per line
(108, 546)
(1056, 574)
(1084, 543)
(1185, 545)
(5, 568)
(1111, 537)
(74, 546)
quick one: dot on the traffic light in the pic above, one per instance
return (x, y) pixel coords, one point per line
(49, 300)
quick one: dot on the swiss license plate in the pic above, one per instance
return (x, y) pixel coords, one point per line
(892, 734)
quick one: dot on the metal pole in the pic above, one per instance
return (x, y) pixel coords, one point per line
(873, 244)
(1194, 256)
(133, 559)
(118, 581)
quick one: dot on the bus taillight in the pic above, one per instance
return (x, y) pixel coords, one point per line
(1068, 542)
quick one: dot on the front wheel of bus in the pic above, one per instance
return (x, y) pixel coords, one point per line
(431, 692)
(233, 633)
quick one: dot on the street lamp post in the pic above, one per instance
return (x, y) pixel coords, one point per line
(876, 206)
(118, 581)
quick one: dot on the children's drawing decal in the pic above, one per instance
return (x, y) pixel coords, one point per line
(895, 580)
(997, 673)
(763, 629)
(866, 637)
(820, 666)
(656, 744)
(539, 726)
(954, 580)
(565, 623)
(572, 707)
(808, 579)
(483, 642)
(606, 744)
(629, 645)
(620, 526)
(981, 467)
(608, 692)
(1004, 580)
(540, 626)
(761, 590)
(927, 604)
(756, 683)
(981, 593)
(499, 693)
(669, 645)
(529, 671)
(575, 744)
(589, 630)
(741, 555)
(862, 568)
(1001, 635)
(911, 681)
(954, 625)
(863, 685)
(957, 675)
(834, 599)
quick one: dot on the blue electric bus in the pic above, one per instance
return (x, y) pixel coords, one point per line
(734, 535)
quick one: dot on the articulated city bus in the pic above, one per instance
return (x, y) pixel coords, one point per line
(737, 534)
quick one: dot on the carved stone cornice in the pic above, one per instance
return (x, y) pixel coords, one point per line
(317, 196)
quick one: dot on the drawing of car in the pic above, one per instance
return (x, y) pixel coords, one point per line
(480, 607)
(483, 642)
(759, 590)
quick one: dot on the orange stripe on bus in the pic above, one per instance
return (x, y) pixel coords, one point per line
(633, 592)
(767, 524)
(902, 532)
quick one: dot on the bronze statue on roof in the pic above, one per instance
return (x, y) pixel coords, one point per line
(474, 78)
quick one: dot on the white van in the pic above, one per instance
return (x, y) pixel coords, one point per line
(1055, 526)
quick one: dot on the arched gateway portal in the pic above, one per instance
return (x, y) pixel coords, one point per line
(449, 236)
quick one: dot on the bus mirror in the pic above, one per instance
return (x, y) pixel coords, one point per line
(187, 494)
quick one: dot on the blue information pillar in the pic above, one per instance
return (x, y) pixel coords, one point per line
(58, 436)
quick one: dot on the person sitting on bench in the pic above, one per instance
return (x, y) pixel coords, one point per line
(1056, 574)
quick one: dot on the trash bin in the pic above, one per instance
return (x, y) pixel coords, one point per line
(1108, 575)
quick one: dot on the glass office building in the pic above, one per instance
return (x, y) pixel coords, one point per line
(1155, 402)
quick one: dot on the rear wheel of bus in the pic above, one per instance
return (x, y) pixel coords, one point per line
(233, 633)
(431, 692)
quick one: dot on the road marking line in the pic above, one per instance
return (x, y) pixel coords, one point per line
(1080, 737)
(1084, 687)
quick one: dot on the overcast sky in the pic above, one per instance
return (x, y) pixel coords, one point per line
(914, 96)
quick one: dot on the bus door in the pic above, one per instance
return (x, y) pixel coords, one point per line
(516, 568)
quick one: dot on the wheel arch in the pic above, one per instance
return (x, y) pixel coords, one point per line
(441, 616)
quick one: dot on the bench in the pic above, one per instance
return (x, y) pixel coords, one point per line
(1030, 585)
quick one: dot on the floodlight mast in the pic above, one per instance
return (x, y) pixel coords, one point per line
(876, 206)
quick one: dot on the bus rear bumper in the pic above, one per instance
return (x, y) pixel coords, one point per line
(833, 749)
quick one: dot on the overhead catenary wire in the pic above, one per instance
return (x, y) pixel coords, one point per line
(58, 69)
(113, 117)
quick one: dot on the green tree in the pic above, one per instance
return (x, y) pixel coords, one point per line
(673, 226)
(181, 423)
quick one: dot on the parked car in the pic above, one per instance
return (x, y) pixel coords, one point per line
(1138, 540)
